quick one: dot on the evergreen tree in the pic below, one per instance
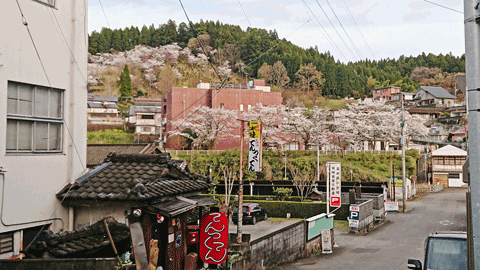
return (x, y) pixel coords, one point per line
(125, 83)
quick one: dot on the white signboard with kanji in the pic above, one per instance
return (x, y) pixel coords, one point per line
(334, 177)
(254, 146)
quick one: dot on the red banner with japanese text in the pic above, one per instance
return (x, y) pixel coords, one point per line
(214, 238)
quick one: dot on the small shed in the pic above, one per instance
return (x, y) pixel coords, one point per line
(447, 166)
(316, 195)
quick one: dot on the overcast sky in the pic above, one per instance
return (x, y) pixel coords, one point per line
(390, 27)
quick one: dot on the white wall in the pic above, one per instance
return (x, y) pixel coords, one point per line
(88, 215)
(29, 185)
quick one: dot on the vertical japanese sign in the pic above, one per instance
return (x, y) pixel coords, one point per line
(214, 238)
(254, 146)
(334, 173)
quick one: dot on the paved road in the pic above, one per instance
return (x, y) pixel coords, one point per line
(401, 238)
(260, 229)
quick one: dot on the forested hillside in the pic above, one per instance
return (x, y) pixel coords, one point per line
(230, 46)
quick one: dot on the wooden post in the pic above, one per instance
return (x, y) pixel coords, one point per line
(111, 242)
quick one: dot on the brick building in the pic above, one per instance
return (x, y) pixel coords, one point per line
(179, 102)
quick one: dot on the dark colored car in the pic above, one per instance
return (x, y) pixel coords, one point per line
(252, 212)
(443, 251)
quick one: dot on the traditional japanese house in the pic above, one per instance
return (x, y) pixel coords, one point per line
(153, 194)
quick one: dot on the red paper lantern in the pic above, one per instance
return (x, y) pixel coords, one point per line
(214, 238)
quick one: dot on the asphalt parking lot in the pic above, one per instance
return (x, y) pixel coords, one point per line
(262, 228)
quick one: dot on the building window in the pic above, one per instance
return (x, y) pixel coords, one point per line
(147, 116)
(34, 119)
(222, 105)
(145, 129)
(6, 243)
(454, 175)
(241, 107)
(249, 107)
(47, 2)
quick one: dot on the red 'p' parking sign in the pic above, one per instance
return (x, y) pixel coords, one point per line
(214, 238)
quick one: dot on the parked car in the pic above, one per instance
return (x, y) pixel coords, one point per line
(443, 251)
(252, 212)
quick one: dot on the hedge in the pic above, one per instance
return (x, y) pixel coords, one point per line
(299, 209)
(262, 197)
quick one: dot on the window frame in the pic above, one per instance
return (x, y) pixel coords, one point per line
(54, 119)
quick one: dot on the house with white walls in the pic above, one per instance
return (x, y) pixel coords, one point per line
(448, 166)
(43, 115)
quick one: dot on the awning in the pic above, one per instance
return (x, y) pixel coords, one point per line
(203, 201)
(173, 208)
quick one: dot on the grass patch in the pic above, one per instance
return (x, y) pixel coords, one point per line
(341, 225)
(109, 137)
(280, 220)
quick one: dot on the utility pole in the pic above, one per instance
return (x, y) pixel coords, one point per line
(285, 165)
(240, 188)
(472, 70)
(402, 141)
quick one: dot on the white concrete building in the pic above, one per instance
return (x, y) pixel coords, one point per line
(43, 111)
(447, 166)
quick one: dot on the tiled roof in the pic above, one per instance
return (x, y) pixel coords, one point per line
(438, 92)
(85, 242)
(449, 150)
(135, 178)
(96, 153)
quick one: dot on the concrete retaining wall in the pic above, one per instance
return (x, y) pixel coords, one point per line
(284, 245)
(365, 214)
(378, 205)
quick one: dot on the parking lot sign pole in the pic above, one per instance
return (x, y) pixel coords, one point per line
(328, 188)
(240, 188)
(472, 70)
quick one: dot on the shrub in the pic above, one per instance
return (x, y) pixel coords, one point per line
(282, 193)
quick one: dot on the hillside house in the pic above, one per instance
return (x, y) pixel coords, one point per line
(102, 106)
(459, 134)
(43, 105)
(447, 166)
(430, 95)
(146, 115)
(389, 93)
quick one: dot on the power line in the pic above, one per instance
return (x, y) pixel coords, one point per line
(100, 1)
(244, 13)
(348, 36)
(358, 29)
(199, 40)
(25, 23)
(66, 43)
(334, 28)
(223, 83)
(331, 40)
(326, 33)
(443, 6)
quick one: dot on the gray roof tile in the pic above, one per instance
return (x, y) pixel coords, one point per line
(136, 178)
(438, 92)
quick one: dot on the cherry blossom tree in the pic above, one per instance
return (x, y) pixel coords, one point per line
(206, 126)
(271, 117)
(310, 126)
(375, 120)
